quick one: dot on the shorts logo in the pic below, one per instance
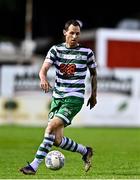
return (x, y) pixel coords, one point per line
(66, 112)
(51, 115)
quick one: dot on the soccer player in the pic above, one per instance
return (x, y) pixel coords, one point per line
(71, 61)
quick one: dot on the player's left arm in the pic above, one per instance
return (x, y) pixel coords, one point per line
(92, 101)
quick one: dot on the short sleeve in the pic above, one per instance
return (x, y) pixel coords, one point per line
(91, 62)
(51, 55)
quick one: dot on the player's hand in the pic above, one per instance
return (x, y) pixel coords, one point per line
(45, 86)
(92, 101)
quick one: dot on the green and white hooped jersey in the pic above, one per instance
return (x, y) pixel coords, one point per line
(71, 67)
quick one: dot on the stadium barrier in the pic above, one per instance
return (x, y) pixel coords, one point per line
(118, 96)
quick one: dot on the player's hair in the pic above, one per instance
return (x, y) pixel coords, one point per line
(73, 22)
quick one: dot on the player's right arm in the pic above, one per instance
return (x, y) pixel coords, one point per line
(44, 84)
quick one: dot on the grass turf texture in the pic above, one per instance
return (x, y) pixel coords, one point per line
(117, 153)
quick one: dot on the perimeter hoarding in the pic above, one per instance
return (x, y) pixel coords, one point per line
(118, 96)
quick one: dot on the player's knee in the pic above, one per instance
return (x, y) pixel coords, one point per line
(49, 129)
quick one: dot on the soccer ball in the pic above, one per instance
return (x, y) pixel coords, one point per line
(54, 160)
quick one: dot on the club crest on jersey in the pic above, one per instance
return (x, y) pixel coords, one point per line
(78, 56)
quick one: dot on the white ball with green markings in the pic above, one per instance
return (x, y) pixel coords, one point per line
(55, 160)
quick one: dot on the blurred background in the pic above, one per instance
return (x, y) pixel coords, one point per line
(28, 28)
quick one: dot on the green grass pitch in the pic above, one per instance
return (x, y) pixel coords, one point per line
(117, 153)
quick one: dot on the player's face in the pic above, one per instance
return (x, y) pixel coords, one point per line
(72, 36)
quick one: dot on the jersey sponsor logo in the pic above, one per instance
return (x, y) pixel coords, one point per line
(68, 69)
